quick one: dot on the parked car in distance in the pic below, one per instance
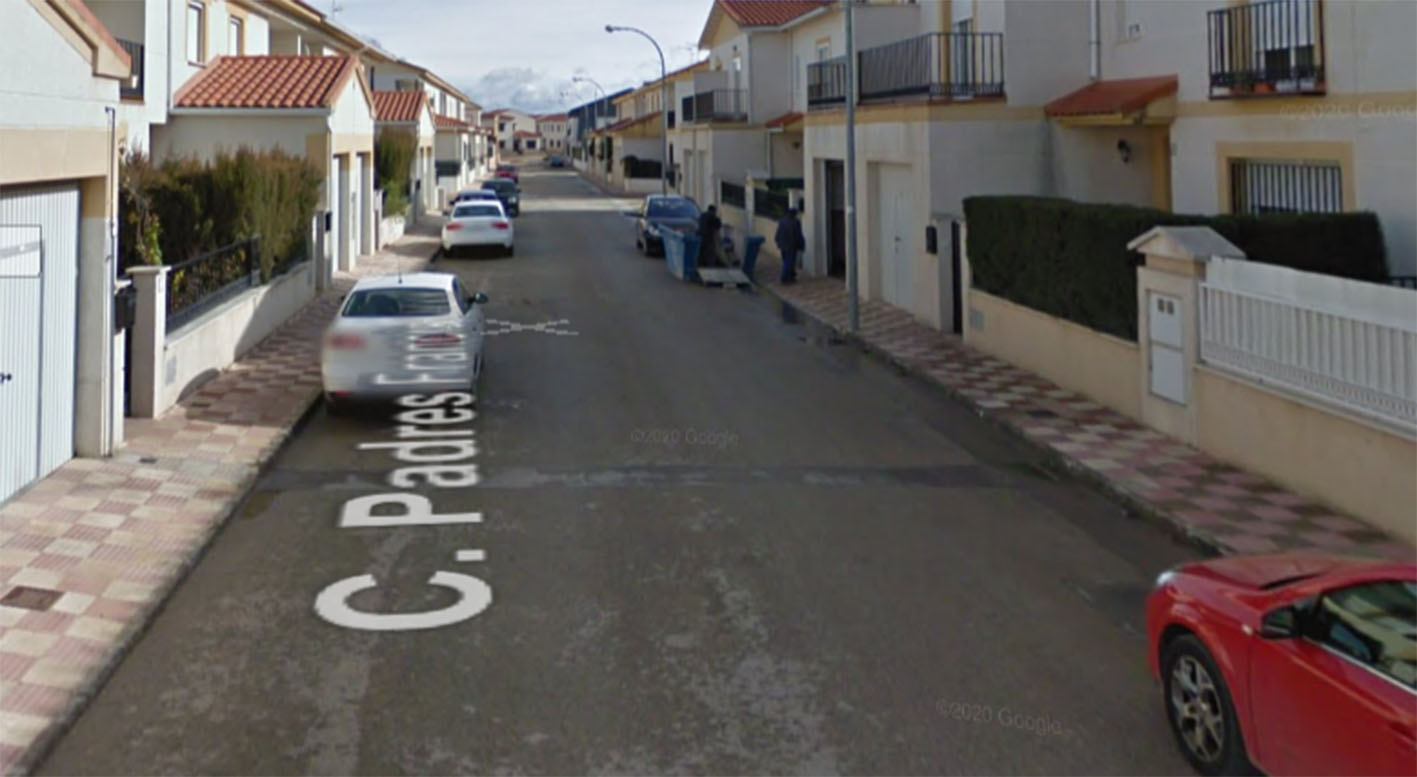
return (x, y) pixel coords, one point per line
(556, 160)
(367, 350)
(508, 171)
(478, 224)
(1296, 664)
(673, 211)
(507, 192)
(472, 194)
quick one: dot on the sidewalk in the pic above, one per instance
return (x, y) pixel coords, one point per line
(1211, 503)
(88, 553)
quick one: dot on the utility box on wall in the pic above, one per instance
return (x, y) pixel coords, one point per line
(1168, 355)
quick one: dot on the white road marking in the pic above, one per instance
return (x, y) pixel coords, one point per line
(545, 327)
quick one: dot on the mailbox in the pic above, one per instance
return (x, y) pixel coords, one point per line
(125, 309)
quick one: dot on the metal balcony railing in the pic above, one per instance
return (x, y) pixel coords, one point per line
(133, 87)
(826, 83)
(959, 65)
(720, 105)
(1271, 47)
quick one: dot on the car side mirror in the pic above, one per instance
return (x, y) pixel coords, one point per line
(1280, 623)
(479, 298)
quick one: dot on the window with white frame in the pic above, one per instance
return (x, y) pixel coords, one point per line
(1285, 186)
(196, 32)
(235, 36)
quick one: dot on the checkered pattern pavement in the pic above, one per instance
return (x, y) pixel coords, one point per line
(100, 541)
(1223, 507)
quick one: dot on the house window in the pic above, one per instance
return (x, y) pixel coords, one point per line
(1285, 186)
(235, 37)
(824, 51)
(962, 59)
(196, 33)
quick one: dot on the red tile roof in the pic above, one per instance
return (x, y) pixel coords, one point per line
(525, 134)
(768, 13)
(785, 119)
(1124, 95)
(553, 117)
(267, 82)
(402, 106)
(449, 122)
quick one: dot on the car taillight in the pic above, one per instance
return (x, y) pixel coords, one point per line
(452, 225)
(501, 225)
(436, 341)
(346, 341)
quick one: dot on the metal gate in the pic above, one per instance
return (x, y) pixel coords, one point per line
(39, 264)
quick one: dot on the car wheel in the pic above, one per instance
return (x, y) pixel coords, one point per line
(511, 250)
(1199, 710)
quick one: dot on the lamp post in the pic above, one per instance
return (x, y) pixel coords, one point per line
(663, 105)
(599, 104)
(853, 312)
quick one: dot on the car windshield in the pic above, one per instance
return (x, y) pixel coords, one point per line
(476, 211)
(673, 209)
(476, 194)
(397, 302)
(505, 187)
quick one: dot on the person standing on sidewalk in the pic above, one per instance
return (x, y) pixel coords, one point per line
(790, 241)
(710, 244)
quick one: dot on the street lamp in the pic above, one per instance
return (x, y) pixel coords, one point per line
(598, 105)
(663, 104)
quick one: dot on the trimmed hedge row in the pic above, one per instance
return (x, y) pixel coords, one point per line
(1070, 259)
(180, 208)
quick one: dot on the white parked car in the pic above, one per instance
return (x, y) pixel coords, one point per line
(478, 223)
(396, 335)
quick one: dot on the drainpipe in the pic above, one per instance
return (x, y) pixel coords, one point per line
(1094, 41)
(106, 441)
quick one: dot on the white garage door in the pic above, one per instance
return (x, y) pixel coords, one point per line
(39, 268)
(894, 235)
(337, 178)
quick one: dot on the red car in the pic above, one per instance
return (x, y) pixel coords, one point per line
(1297, 664)
(508, 171)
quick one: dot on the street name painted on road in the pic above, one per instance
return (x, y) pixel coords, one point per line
(440, 457)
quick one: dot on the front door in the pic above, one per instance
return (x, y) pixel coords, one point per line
(893, 235)
(836, 217)
(356, 209)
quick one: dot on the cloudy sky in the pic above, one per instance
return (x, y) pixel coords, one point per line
(524, 53)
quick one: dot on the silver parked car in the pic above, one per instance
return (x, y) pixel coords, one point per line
(398, 335)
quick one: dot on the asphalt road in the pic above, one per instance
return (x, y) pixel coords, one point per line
(717, 542)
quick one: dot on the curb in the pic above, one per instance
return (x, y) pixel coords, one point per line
(1055, 460)
(138, 626)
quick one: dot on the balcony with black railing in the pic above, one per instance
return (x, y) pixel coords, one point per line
(132, 88)
(718, 105)
(951, 65)
(1266, 48)
(826, 83)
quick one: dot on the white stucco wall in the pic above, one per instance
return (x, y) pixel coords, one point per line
(352, 114)
(44, 82)
(770, 88)
(203, 136)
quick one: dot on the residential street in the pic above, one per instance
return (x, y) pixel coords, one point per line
(717, 542)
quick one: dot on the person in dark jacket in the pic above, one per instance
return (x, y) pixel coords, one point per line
(710, 244)
(790, 241)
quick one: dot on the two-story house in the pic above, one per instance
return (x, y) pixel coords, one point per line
(555, 129)
(516, 130)
(1200, 107)
(213, 75)
(740, 115)
(61, 72)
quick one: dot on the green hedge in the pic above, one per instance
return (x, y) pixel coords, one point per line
(1070, 259)
(179, 208)
(394, 150)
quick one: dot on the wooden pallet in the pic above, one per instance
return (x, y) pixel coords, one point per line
(723, 276)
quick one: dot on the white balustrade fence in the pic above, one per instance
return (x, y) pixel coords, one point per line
(1359, 354)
